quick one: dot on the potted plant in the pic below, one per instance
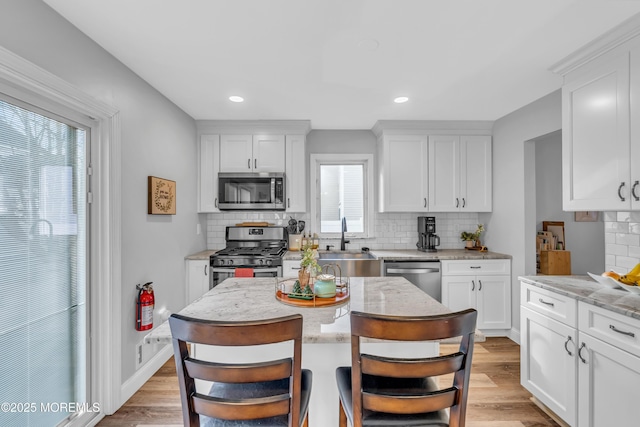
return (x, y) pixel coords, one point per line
(472, 239)
(308, 265)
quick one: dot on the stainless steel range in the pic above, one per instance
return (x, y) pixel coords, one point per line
(255, 251)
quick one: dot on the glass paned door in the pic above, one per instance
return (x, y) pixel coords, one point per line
(43, 268)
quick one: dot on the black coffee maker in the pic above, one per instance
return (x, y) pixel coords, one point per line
(427, 238)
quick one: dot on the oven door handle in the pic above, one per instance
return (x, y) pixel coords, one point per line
(233, 269)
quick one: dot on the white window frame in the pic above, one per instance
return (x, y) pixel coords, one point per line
(366, 160)
(29, 83)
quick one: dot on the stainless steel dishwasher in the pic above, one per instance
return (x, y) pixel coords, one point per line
(424, 274)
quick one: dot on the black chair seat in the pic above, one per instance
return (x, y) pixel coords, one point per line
(386, 385)
(254, 390)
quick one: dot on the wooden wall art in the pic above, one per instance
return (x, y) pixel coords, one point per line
(586, 216)
(162, 196)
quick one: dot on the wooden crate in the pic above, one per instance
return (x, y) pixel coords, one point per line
(555, 262)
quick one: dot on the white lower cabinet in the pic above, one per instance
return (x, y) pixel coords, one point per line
(197, 279)
(548, 364)
(484, 285)
(290, 268)
(580, 360)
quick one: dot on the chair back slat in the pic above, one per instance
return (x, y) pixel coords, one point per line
(244, 333)
(390, 384)
(239, 373)
(409, 404)
(231, 334)
(415, 368)
(246, 409)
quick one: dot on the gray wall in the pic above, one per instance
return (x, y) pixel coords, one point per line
(157, 139)
(585, 240)
(512, 179)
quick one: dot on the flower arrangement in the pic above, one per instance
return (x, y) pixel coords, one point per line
(309, 265)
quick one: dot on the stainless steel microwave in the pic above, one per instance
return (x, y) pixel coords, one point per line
(251, 191)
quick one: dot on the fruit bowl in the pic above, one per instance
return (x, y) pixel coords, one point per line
(609, 281)
(631, 288)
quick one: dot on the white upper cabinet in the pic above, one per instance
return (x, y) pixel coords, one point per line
(208, 168)
(434, 173)
(268, 153)
(459, 173)
(252, 153)
(596, 164)
(403, 176)
(601, 122)
(295, 174)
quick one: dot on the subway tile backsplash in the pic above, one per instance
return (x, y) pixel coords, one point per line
(622, 240)
(391, 230)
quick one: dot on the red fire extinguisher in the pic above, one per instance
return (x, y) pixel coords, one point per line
(144, 307)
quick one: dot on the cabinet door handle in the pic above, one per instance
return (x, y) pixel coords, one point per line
(565, 346)
(206, 267)
(288, 202)
(255, 163)
(622, 199)
(425, 202)
(613, 328)
(457, 202)
(464, 202)
(248, 163)
(546, 303)
(479, 285)
(633, 190)
(216, 202)
(473, 285)
(580, 353)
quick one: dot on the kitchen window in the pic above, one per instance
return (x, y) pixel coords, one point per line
(343, 189)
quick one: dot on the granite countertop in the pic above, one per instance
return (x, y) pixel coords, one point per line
(415, 255)
(584, 288)
(254, 298)
(202, 255)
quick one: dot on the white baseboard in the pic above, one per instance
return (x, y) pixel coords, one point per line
(143, 374)
(514, 335)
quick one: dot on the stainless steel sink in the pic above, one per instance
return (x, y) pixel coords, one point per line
(352, 264)
(345, 255)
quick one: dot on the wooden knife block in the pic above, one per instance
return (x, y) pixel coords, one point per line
(555, 262)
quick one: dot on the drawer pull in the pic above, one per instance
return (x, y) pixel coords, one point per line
(580, 353)
(546, 303)
(613, 328)
(565, 346)
(475, 266)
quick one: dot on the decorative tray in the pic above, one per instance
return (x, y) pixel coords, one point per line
(477, 248)
(284, 293)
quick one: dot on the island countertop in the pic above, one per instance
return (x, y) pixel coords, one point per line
(254, 299)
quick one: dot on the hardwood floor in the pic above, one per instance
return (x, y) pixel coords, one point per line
(496, 398)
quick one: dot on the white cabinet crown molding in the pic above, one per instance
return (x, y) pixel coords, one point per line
(231, 127)
(412, 127)
(613, 38)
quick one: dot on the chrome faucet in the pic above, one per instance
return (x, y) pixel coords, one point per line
(344, 229)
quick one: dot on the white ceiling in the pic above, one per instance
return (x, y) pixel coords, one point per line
(313, 59)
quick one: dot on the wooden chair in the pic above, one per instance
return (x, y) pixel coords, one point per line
(270, 393)
(385, 391)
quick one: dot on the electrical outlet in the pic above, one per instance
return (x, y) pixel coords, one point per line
(138, 355)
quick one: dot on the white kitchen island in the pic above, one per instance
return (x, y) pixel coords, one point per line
(326, 331)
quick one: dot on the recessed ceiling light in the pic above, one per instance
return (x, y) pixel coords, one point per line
(401, 99)
(369, 44)
(236, 98)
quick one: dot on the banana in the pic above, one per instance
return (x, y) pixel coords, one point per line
(628, 280)
(635, 271)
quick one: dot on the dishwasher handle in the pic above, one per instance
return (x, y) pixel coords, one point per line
(412, 270)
